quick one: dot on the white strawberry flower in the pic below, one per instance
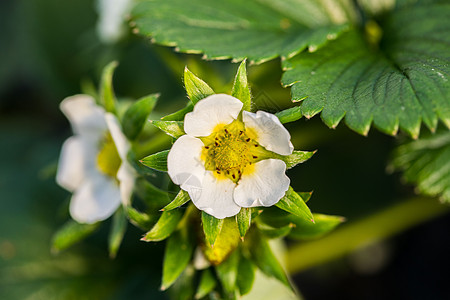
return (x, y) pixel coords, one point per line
(228, 157)
(93, 162)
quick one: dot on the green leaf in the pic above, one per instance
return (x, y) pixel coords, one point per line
(196, 88)
(290, 115)
(166, 224)
(305, 196)
(181, 198)
(207, 284)
(426, 163)
(274, 233)
(71, 233)
(152, 196)
(107, 98)
(179, 115)
(259, 30)
(241, 89)
(140, 219)
(245, 275)
(211, 228)
(173, 128)
(118, 228)
(294, 204)
(226, 242)
(244, 220)
(396, 83)
(134, 119)
(297, 157)
(227, 272)
(178, 253)
(157, 161)
(263, 257)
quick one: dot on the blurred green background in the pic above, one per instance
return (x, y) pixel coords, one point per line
(49, 49)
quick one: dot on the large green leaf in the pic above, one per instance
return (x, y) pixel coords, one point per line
(426, 163)
(71, 233)
(397, 82)
(257, 29)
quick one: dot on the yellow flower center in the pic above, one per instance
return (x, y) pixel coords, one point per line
(232, 150)
(108, 159)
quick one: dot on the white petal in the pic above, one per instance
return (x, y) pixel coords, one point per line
(126, 176)
(111, 19)
(86, 117)
(215, 197)
(263, 187)
(71, 164)
(210, 112)
(96, 199)
(121, 142)
(271, 134)
(184, 163)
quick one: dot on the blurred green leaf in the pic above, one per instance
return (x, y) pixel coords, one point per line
(157, 161)
(241, 89)
(70, 233)
(294, 204)
(227, 273)
(179, 115)
(426, 163)
(226, 242)
(117, 232)
(289, 115)
(166, 224)
(107, 97)
(181, 198)
(173, 128)
(258, 30)
(136, 115)
(211, 228)
(207, 284)
(244, 220)
(263, 258)
(397, 82)
(184, 287)
(153, 197)
(140, 219)
(297, 157)
(196, 88)
(305, 196)
(179, 249)
(245, 275)
(274, 233)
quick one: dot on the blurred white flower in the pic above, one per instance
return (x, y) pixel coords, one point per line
(111, 17)
(225, 160)
(93, 162)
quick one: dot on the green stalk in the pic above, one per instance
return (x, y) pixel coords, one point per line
(355, 235)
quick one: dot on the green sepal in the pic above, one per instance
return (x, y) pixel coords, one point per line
(118, 228)
(206, 285)
(157, 161)
(241, 89)
(179, 115)
(173, 128)
(244, 220)
(289, 115)
(107, 97)
(275, 233)
(226, 242)
(140, 219)
(263, 257)
(181, 198)
(245, 276)
(178, 253)
(196, 88)
(134, 118)
(166, 224)
(297, 157)
(227, 273)
(152, 196)
(294, 204)
(211, 228)
(305, 196)
(184, 287)
(70, 233)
